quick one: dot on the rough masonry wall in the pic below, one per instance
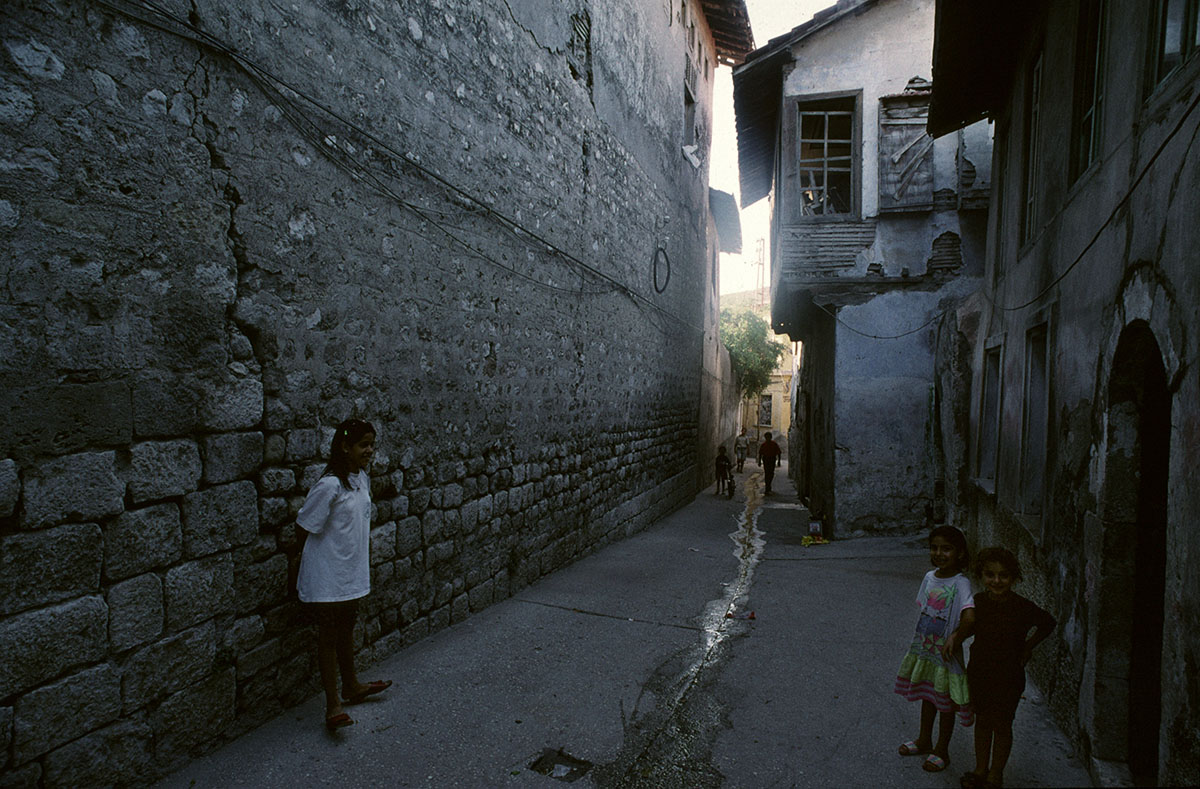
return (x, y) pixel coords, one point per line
(1119, 272)
(428, 214)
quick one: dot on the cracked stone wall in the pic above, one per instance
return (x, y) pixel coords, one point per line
(222, 237)
(1095, 274)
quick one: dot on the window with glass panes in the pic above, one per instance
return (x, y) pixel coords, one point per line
(1031, 185)
(1089, 86)
(826, 163)
(1176, 35)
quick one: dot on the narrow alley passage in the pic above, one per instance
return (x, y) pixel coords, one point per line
(713, 649)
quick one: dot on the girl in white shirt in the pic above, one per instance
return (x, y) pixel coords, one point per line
(335, 568)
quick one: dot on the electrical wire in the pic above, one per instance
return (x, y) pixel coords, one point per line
(1111, 216)
(273, 85)
(1078, 258)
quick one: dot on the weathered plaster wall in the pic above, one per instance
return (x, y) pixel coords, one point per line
(920, 263)
(203, 271)
(876, 51)
(719, 401)
(1139, 274)
(886, 444)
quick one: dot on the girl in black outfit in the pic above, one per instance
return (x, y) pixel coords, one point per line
(996, 673)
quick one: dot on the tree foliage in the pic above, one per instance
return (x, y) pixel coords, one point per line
(753, 353)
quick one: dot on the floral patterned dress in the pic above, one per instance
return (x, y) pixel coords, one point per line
(924, 674)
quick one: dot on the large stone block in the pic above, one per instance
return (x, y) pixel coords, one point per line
(242, 636)
(260, 584)
(193, 716)
(83, 486)
(408, 536)
(431, 526)
(38, 645)
(161, 469)
(218, 518)
(255, 660)
(273, 513)
(56, 418)
(234, 405)
(52, 715)
(276, 480)
(49, 565)
(10, 487)
(168, 665)
(230, 456)
(303, 444)
(198, 590)
(135, 612)
(165, 405)
(141, 540)
(117, 755)
(383, 543)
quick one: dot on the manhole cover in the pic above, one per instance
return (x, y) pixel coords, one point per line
(560, 765)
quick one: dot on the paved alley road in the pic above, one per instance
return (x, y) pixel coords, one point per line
(640, 661)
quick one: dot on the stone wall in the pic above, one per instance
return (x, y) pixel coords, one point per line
(223, 237)
(1109, 545)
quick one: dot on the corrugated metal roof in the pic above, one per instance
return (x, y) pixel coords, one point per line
(728, 220)
(757, 85)
(730, 25)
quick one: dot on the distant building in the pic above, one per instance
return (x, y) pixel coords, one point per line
(1085, 407)
(876, 228)
(769, 411)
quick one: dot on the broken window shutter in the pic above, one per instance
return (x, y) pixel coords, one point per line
(905, 153)
(789, 153)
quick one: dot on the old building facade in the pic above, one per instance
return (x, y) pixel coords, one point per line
(228, 226)
(1085, 412)
(877, 229)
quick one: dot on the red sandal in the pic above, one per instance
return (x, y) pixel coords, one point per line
(335, 722)
(370, 689)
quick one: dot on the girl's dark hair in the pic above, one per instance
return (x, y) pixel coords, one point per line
(346, 435)
(956, 538)
(1001, 556)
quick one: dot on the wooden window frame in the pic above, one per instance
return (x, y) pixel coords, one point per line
(1031, 157)
(1034, 505)
(1189, 38)
(790, 153)
(1090, 61)
(1002, 143)
(989, 422)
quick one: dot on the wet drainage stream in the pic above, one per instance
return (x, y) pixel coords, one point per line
(671, 744)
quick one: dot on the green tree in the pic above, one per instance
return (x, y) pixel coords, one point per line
(753, 353)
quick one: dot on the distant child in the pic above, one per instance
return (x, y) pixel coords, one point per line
(768, 456)
(932, 671)
(740, 445)
(724, 468)
(999, 653)
(335, 568)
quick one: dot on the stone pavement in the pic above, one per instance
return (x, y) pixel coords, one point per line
(640, 666)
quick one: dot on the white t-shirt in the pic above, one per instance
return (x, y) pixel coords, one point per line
(335, 564)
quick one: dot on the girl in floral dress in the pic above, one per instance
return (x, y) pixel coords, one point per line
(932, 672)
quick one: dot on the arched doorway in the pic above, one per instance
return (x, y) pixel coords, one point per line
(1133, 576)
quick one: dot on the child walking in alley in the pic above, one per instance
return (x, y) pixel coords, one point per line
(996, 673)
(724, 469)
(932, 671)
(335, 569)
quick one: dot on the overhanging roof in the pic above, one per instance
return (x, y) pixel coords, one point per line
(730, 25)
(757, 88)
(977, 45)
(729, 223)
